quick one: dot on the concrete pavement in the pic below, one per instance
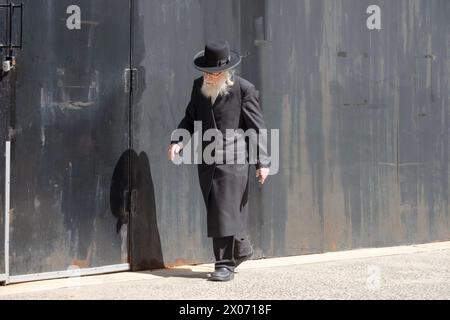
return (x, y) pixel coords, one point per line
(405, 272)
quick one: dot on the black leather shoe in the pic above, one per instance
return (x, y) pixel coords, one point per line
(242, 259)
(221, 274)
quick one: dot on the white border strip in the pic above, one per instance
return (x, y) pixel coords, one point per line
(69, 273)
(7, 195)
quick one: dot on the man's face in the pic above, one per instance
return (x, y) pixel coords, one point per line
(212, 79)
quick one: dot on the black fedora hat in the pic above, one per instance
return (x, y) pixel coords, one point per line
(216, 57)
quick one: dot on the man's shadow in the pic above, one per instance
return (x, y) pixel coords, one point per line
(137, 208)
(179, 273)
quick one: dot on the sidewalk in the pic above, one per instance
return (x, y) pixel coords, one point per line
(406, 272)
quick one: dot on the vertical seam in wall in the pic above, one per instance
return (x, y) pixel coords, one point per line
(130, 128)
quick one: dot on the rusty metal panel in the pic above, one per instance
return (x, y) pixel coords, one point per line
(356, 171)
(166, 36)
(424, 124)
(363, 119)
(69, 127)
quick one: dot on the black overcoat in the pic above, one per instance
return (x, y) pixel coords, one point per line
(224, 186)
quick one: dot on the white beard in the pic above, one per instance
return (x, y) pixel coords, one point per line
(220, 88)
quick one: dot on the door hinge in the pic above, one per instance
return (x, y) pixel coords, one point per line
(131, 80)
(10, 44)
(130, 202)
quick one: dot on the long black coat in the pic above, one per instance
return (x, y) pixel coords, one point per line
(224, 186)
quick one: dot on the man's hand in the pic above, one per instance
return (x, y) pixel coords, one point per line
(172, 150)
(262, 174)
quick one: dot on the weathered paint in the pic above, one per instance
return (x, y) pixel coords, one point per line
(69, 126)
(363, 118)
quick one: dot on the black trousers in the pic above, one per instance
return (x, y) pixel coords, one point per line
(227, 249)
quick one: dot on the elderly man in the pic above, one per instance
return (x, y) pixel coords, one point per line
(221, 100)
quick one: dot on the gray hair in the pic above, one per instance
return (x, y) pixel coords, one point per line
(230, 75)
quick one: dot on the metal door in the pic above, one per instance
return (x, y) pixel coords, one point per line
(69, 131)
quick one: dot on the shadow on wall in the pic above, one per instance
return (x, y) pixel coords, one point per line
(144, 239)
